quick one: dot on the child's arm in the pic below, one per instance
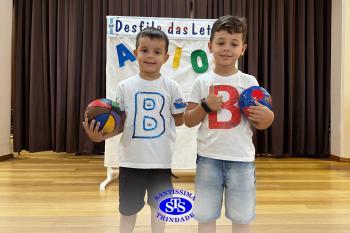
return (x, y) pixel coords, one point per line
(195, 113)
(260, 116)
(179, 119)
(99, 136)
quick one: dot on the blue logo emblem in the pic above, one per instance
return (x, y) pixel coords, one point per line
(180, 103)
(175, 206)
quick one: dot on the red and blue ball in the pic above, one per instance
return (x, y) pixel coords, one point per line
(254, 93)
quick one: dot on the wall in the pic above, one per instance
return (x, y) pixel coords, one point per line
(5, 71)
(346, 76)
(340, 79)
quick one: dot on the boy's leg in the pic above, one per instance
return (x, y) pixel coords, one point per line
(159, 180)
(240, 228)
(208, 190)
(132, 190)
(240, 194)
(127, 223)
(156, 224)
(207, 227)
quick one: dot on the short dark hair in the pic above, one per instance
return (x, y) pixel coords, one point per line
(153, 33)
(231, 24)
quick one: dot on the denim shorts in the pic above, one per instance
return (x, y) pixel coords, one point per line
(234, 179)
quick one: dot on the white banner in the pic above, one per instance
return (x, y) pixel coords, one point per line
(175, 28)
(189, 57)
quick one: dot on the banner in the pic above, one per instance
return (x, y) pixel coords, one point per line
(188, 58)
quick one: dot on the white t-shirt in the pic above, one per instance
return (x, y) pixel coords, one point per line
(225, 134)
(149, 130)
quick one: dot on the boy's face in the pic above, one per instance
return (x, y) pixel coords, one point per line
(226, 48)
(151, 55)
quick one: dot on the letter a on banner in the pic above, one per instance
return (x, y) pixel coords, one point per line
(124, 54)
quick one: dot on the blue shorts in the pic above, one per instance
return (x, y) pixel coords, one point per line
(214, 178)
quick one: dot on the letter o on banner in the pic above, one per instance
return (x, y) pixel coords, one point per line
(194, 61)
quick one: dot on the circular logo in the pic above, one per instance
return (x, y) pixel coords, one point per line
(175, 206)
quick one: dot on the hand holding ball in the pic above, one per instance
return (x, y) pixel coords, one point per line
(254, 93)
(106, 112)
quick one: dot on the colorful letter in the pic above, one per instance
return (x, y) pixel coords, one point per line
(177, 56)
(205, 65)
(230, 105)
(124, 54)
(148, 120)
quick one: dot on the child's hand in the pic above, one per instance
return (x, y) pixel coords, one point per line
(261, 116)
(93, 133)
(214, 101)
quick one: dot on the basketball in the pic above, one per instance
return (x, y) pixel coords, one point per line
(105, 111)
(251, 94)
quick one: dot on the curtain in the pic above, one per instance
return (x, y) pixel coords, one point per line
(60, 59)
(60, 55)
(289, 54)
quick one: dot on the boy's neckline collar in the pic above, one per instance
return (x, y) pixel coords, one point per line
(150, 81)
(235, 71)
(224, 76)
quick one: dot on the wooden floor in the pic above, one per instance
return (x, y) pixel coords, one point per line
(42, 193)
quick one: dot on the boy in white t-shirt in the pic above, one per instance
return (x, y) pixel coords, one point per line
(152, 106)
(225, 160)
